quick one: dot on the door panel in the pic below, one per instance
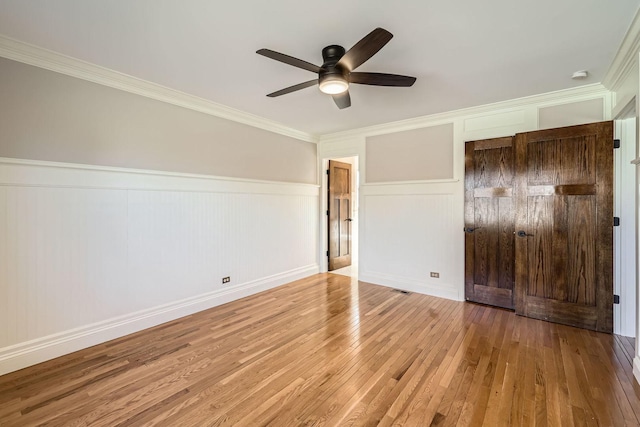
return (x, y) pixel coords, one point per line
(489, 248)
(564, 208)
(339, 215)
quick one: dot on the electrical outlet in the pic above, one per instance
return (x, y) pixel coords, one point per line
(226, 279)
(434, 274)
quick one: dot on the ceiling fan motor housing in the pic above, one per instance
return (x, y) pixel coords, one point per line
(331, 55)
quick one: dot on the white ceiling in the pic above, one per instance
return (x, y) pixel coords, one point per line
(464, 52)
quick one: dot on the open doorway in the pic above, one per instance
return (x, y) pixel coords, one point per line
(342, 216)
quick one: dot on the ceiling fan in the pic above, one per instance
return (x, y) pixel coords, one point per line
(337, 71)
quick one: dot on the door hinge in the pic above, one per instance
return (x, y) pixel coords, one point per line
(327, 213)
(616, 299)
(327, 171)
(616, 221)
(327, 253)
(616, 143)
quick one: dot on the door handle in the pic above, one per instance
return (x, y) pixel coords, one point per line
(522, 233)
(470, 229)
(348, 219)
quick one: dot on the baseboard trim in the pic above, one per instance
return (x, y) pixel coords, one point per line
(408, 284)
(29, 353)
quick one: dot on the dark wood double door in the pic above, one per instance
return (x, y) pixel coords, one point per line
(538, 224)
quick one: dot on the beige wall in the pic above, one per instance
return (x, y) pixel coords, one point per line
(49, 116)
(413, 155)
(574, 113)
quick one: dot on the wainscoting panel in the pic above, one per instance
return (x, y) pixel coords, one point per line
(409, 231)
(86, 262)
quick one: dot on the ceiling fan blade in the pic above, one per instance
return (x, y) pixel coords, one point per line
(381, 79)
(289, 60)
(293, 88)
(342, 100)
(365, 49)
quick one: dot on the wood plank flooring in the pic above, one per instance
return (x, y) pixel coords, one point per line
(329, 351)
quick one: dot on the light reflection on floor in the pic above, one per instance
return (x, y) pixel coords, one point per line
(350, 301)
(350, 270)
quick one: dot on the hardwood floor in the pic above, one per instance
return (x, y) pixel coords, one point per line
(328, 351)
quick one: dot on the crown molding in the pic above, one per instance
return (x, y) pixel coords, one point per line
(546, 99)
(626, 57)
(53, 61)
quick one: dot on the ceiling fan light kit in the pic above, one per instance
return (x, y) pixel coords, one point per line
(332, 84)
(336, 73)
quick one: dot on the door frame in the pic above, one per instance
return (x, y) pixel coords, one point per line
(323, 242)
(625, 268)
(339, 221)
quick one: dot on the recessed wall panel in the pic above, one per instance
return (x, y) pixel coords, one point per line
(413, 155)
(575, 113)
